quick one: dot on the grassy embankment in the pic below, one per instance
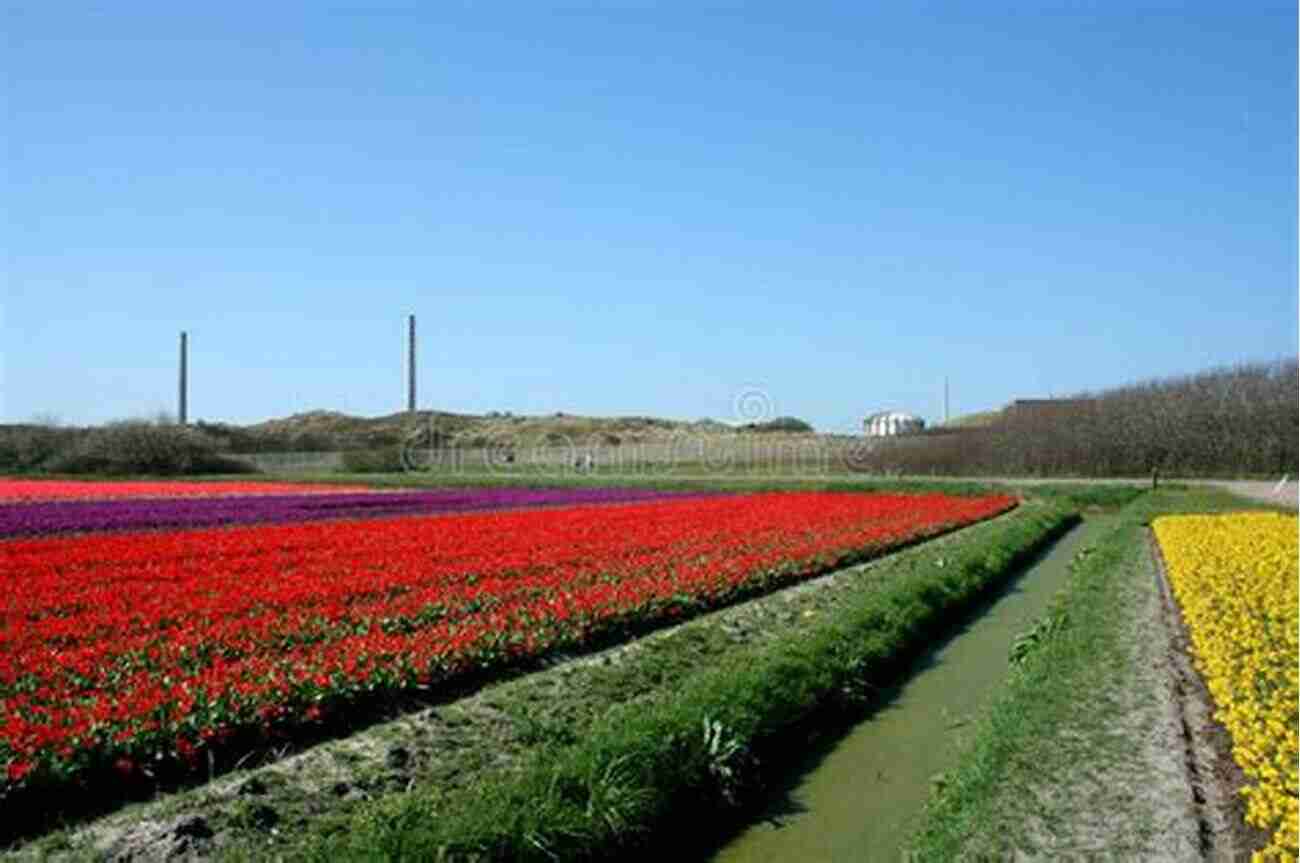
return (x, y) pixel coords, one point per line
(695, 756)
(1062, 727)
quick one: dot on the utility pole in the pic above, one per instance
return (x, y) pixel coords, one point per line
(184, 381)
(410, 364)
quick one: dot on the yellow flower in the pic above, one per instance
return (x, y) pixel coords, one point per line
(1237, 581)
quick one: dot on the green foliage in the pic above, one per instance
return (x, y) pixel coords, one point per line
(1088, 495)
(29, 447)
(788, 425)
(386, 459)
(156, 448)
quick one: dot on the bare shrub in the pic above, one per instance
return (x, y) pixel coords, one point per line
(157, 447)
(28, 446)
(1232, 421)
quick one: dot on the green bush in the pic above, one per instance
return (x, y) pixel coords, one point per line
(143, 447)
(789, 425)
(28, 447)
(386, 459)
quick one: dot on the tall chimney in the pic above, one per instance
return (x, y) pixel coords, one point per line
(945, 399)
(184, 381)
(410, 365)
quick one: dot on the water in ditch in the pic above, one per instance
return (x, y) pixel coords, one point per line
(860, 798)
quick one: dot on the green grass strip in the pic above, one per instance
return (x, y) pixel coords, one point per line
(685, 763)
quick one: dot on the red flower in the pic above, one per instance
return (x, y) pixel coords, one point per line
(185, 749)
(249, 626)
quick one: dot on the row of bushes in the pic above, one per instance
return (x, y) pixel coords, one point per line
(1225, 422)
(155, 447)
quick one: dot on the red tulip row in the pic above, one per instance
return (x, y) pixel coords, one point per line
(120, 648)
(23, 490)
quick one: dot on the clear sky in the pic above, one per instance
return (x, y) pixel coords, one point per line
(640, 208)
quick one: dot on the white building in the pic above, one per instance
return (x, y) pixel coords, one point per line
(891, 423)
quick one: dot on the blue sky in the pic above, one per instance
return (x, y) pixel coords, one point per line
(640, 208)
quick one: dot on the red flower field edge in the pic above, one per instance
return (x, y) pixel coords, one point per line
(25, 490)
(137, 649)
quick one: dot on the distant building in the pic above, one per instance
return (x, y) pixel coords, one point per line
(892, 423)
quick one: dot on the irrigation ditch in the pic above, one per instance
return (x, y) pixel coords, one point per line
(859, 797)
(1102, 742)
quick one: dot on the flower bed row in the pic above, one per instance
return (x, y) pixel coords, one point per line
(1235, 578)
(21, 490)
(130, 648)
(39, 519)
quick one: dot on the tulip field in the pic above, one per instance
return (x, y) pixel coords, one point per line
(38, 518)
(146, 624)
(18, 490)
(1235, 578)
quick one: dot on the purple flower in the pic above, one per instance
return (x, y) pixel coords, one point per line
(37, 519)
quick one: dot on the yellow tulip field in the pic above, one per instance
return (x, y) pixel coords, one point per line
(1235, 578)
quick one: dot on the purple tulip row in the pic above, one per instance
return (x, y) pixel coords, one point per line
(39, 519)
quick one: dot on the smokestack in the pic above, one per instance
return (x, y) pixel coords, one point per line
(184, 381)
(410, 365)
(945, 399)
